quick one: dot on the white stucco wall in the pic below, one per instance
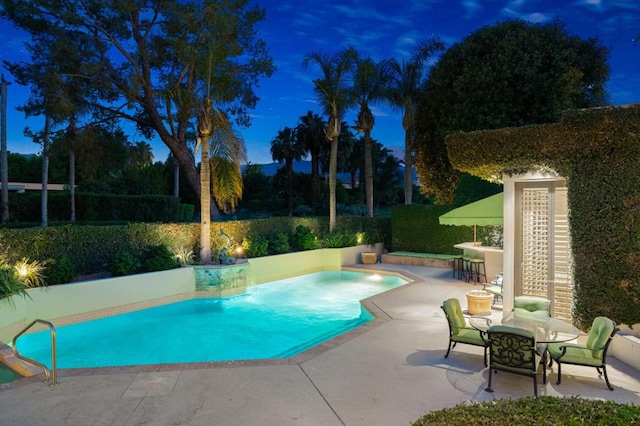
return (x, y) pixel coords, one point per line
(89, 296)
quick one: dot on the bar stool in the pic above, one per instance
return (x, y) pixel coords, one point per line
(458, 266)
(476, 270)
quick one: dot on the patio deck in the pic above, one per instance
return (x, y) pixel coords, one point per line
(387, 374)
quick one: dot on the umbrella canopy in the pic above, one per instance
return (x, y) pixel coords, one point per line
(487, 211)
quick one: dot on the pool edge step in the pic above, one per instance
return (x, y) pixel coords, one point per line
(24, 369)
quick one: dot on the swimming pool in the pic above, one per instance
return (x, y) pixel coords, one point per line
(275, 320)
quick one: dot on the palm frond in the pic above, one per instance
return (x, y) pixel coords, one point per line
(226, 179)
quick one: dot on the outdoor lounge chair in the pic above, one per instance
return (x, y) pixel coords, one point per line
(532, 306)
(593, 354)
(514, 350)
(459, 332)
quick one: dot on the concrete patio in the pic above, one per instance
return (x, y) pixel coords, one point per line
(387, 373)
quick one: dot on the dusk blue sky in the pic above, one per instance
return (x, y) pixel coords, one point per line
(380, 29)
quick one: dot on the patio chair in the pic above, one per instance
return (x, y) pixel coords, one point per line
(593, 354)
(495, 288)
(532, 306)
(459, 332)
(514, 350)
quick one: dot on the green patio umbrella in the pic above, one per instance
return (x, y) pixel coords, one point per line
(487, 211)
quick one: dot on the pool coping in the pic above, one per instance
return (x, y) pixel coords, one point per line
(380, 317)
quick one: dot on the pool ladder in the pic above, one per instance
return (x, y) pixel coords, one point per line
(49, 375)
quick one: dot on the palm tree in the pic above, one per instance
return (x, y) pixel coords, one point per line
(223, 151)
(311, 135)
(369, 86)
(334, 97)
(406, 78)
(285, 147)
(140, 155)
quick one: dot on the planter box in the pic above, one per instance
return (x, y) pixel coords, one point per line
(479, 301)
(369, 258)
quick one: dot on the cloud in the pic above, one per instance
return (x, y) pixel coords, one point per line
(471, 8)
(378, 111)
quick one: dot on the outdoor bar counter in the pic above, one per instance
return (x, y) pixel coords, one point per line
(492, 257)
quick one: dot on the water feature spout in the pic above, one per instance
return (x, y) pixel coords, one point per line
(224, 234)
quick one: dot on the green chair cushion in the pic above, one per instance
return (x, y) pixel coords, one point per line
(532, 306)
(575, 354)
(493, 289)
(469, 335)
(454, 315)
(590, 354)
(601, 330)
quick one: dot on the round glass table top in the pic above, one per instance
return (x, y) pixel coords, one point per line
(546, 330)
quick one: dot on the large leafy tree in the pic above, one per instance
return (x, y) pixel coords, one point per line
(370, 82)
(333, 94)
(286, 147)
(406, 80)
(510, 74)
(147, 59)
(56, 58)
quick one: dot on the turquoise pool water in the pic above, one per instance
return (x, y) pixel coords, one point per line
(274, 320)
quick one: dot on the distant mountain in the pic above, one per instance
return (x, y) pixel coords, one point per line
(304, 166)
(270, 169)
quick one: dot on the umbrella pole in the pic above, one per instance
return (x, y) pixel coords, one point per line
(474, 236)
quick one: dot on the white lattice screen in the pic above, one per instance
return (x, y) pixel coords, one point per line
(546, 267)
(535, 241)
(562, 289)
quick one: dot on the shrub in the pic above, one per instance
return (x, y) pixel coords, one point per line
(10, 285)
(338, 240)
(184, 256)
(304, 239)
(303, 210)
(545, 410)
(255, 246)
(278, 243)
(124, 263)
(60, 271)
(30, 272)
(158, 258)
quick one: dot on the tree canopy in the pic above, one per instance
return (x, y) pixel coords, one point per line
(510, 74)
(151, 60)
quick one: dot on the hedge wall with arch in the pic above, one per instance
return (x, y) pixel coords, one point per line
(598, 151)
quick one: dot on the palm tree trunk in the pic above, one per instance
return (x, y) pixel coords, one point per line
(333, 171)
(315, 177)
(408, 169)
(44, 211)
(368, 172)
(290, 185)
(205, 204)
(176, 178)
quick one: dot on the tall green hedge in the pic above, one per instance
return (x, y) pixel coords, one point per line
(91, 248)
(416, 228)
(598, 151)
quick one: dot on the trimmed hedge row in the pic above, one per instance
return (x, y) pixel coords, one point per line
(417, 228)
(91, 248)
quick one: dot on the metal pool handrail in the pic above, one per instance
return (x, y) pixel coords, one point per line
(50, 375)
